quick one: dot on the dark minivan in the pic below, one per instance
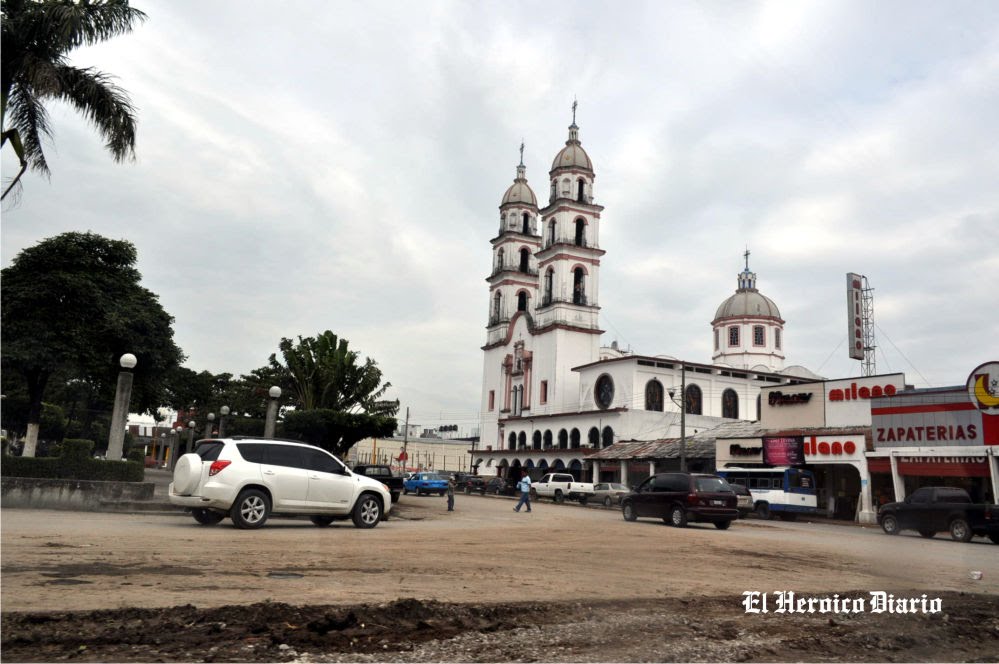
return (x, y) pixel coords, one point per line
(677, 498)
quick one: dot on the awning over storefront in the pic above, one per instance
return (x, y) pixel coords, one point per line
(933, 466)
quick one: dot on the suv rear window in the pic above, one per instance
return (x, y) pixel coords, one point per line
(209, 451)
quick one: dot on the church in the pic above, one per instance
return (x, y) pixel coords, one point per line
(551, 394)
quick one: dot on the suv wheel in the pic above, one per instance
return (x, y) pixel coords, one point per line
(367, 511)
(889, 524)
(722, 525)
(928, 534)
(678, 517)
(628, 510)
(960, 531)
(206, 517)
(251, 509)
(321, 521)
(607, 501)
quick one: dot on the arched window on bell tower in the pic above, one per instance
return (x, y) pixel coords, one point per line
(580, 232)
(578, 286)
(525, 256)
(551, 232)
(580, 189)
(549, 282)
(522, 301)
(499, 260)
(526, 230)
(497, 305)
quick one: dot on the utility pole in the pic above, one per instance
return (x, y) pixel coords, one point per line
(405, 441)
(683, 419)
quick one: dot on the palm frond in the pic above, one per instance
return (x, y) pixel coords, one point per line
(73, 24)
(29, 118)
(103, 103)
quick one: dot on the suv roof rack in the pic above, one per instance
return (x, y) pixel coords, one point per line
(275, 440)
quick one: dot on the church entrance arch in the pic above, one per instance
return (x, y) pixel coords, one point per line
(593, 438)
(576, 468)
(607, 438)
(536, 440)
(574, 439)
(563, 440)
(558, 465)
(548, 439)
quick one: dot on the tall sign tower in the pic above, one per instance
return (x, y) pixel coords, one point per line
(860, 322)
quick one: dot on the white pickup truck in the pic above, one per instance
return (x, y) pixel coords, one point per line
(559, 486)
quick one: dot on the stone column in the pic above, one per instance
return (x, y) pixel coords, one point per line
(119, 416)
(896, 479)
(272, 407)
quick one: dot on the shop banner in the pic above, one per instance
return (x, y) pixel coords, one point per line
(784, 450)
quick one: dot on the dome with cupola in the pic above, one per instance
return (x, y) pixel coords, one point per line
(748, 301)
(520, 191)
(747, 328)
(572, 155)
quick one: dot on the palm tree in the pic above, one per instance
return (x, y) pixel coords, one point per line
(37, 37)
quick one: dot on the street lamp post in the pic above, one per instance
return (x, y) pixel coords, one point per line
(190, 436)
(175, 446)
(223, 412)
(682, 403)
(208, 426)
(119, 416)
(272, 408)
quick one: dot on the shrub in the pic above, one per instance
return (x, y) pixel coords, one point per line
(74, 464)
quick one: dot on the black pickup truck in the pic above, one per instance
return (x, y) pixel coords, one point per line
(933, 509)
(384, 475)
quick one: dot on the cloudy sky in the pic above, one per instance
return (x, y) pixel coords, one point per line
(316, 165)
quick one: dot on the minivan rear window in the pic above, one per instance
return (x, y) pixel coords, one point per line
(711, 484)
(209, 450)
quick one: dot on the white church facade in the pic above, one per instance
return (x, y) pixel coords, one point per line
(551, 394)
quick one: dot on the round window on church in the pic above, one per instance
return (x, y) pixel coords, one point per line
(603, 392)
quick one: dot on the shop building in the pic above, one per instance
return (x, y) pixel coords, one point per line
(831, 421)
(938, 437)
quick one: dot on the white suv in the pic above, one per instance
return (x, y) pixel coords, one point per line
(248, 479)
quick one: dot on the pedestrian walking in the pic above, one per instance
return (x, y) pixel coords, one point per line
(524, 485)
(450, 493)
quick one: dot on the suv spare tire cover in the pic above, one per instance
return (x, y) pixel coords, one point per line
(187, 474)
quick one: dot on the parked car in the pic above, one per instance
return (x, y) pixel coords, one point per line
(743, 500)
(501, 486)
(421, 483)
(609, 493)
(384, 475)
(930, 510)
(471, 484)
(678, 498)
(249, 479)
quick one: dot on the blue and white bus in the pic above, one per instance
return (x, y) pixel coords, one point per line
(781, 491)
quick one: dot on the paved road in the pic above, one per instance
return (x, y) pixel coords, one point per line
(481, 552)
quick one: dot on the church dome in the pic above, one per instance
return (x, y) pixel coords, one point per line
(747, 301)
(520, 191)
(572, 155)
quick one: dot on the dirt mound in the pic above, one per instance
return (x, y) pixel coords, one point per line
(704, 629)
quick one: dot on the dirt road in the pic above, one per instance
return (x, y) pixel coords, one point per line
(633, 591)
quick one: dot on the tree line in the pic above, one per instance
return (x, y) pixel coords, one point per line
(73, 304)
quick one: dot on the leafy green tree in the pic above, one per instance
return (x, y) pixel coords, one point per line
(37, 38)
(337, 399)
(72, 305)
(325, 373)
